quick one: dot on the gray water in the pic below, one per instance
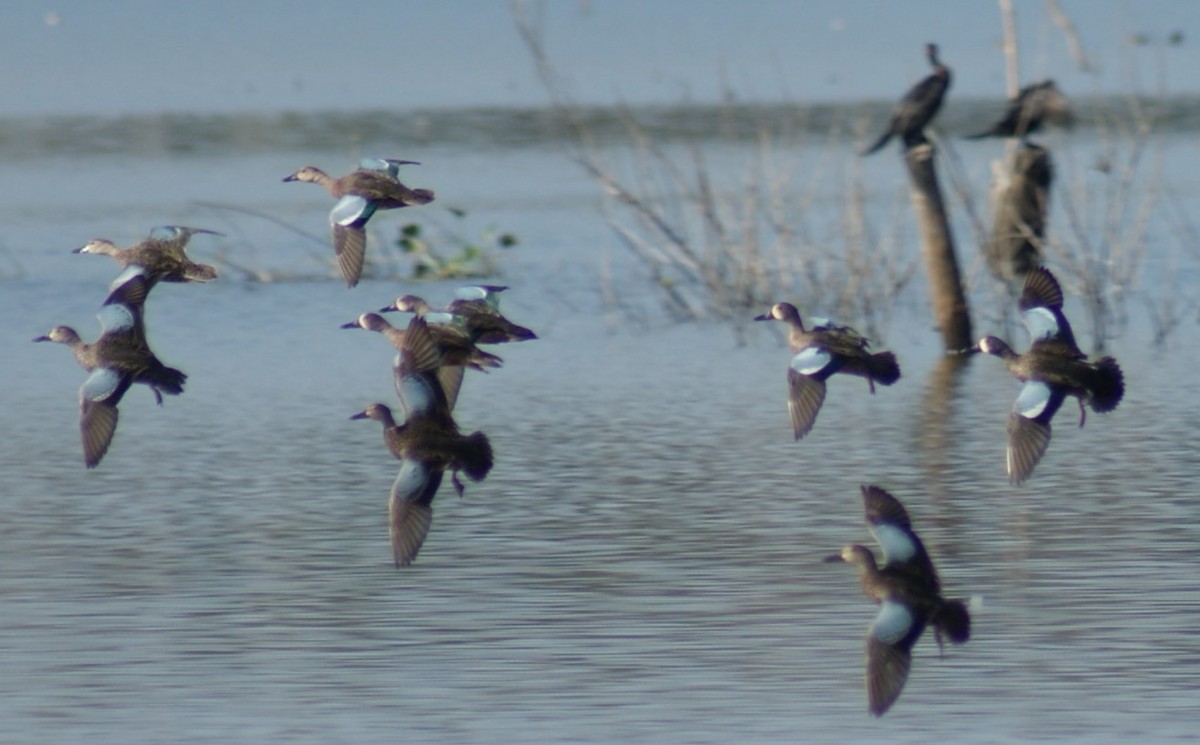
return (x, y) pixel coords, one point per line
(643, 564)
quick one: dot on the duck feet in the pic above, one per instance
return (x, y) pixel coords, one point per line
(1082, 412)
(458, 485)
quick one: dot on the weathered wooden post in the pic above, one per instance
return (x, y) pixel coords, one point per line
(1020, 202)
(950, 309)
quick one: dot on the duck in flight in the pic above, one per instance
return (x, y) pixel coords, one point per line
(905, 585)
(1051, 369)
(819, 352)
(162, 256)
(119, 358)
(427, 444)
(374, 185)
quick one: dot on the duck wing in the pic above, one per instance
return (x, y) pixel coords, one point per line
(1029, 427)
(121, 311)
(806, 387)
(890, 640)
(903, 551)
(98, 399)
(418, 379)
(410, 508)
(1041, 305)
(348, 220)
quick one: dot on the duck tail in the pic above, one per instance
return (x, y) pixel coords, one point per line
(168, 380)
(199, 273)
(884, 368)
(476, 456)
(482, 359)
(520, 333)
(509, 333)
(953, 620)
(1109, 385)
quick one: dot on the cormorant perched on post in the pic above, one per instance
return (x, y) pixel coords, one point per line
(918, 107)
(1035, 104)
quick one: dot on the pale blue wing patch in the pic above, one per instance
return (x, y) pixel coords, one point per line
(440, 317)
(892, 623)
(489, 295)
(131, 271)
(411, 480)
(417, 393)
(1041, 322)
(385, 165)
(351, 210)
(101, 384)
(409, 512)
(374, 164)
(116, 317)
(166, 232)
(811, 360)
(1033, 399)
(897, 543)
(471, 292)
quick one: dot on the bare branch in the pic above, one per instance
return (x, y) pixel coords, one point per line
(1061, 20)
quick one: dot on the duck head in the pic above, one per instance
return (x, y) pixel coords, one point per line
(97, 246)
(779, 312)
(60, 334)
(309, 174)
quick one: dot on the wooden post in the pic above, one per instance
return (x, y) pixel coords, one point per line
(950, 309)
(1020, 202)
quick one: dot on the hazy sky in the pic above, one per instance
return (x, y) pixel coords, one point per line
(119, 56)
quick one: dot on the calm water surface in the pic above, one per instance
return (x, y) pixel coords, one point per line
(642, 565)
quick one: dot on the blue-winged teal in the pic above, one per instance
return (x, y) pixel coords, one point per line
(918, 106)
(456, 350)
(427, 443)
(909, 594)
(116, 360)
(162, 255)
(475, 309)
(1034, 105)
(373, 186)
(819, 352)
(1052, 368)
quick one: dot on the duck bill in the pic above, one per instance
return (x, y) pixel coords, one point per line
(351, 325)
(833, 559)
(764, 317)
(42, 338)
(388, 309)
(359, 415)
